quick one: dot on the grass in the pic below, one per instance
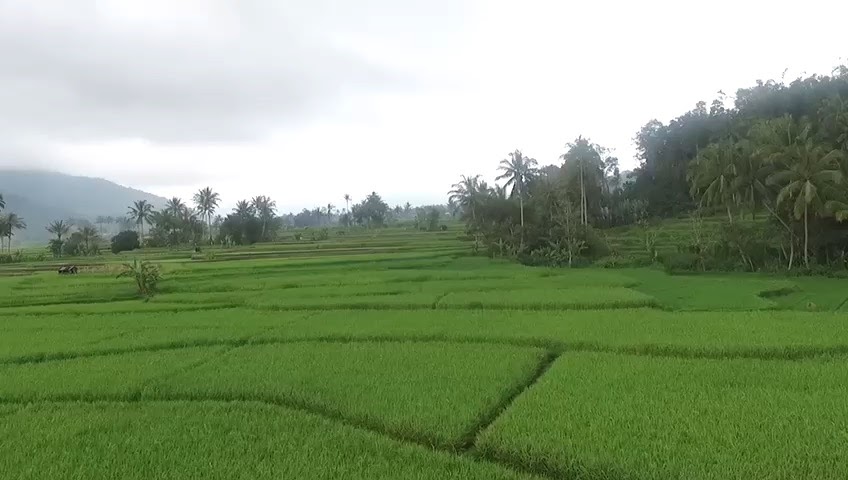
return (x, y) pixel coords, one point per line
(599, 416)
(210, 440)
(395, 354)
(415, 391)
(756, 334)
(120, 376)
(550, 299)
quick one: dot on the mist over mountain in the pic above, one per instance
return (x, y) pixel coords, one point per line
(41, 197)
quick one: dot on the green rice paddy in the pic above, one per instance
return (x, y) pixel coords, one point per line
(396, 354)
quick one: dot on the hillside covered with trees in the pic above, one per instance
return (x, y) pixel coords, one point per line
(773, 162)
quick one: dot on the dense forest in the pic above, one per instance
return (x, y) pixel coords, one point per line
(773, 162)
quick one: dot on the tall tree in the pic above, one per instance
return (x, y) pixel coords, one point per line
(466, 193)
(11, 223)
(89, 237)
(175, 206)
(207, 202)
(2, 202)
(347, 202)
(583, 166)
(266, 209)
(60, 228)
(517, 171)
(713, 175)
(806, 172)
(244, 209)
(139, 212)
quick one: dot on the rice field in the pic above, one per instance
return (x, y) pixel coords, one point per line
(397, 354)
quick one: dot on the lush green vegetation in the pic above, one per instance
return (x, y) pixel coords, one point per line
(396, 353)
(371, 342)
(761, 180)
(596, 415)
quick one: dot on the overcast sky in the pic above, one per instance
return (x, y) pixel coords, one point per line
(306, 100)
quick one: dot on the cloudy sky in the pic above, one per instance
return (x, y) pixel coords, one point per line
(305, 100)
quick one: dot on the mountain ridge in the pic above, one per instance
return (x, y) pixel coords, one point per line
(41, 196)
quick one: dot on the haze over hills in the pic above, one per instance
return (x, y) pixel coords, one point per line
(41, 197)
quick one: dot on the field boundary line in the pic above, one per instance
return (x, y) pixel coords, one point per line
(776, 353)
(470, 438)
(308, 409)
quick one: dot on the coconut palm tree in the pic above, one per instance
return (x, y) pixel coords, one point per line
(517, 171)
(265, 208)
(60, 228)
(806, 173)
(582, 162)
(4, 227)
(11, 223)
(139, 212)
(347, 202)
(89, 236)
(713, 175)
(207, 201)
(175, 207)
(244, 209)
(2, 202)
(330, 209)
(465, 193)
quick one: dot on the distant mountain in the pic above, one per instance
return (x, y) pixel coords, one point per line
(41, 197)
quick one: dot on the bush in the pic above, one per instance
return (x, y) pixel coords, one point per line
(681, 262)
(145, 274)
(322, 234)
(125, 241)
(16, 257)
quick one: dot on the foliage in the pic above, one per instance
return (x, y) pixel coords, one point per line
(240, 229)
(371, 212)
(146, 275)
(598, 402)
(8, 224)
(125, 241)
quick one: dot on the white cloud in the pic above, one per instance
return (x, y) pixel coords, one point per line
(306, 101)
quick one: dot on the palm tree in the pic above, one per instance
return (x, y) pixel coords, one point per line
(207, 201)
(330, 209)
(4, 227)
(584, 158)
(713, 175)
(517, 171)
(265, 208)
(2, 202)
(89, 235)
(347, 202)
(806, 173)
(12, 222)
(465, 193)
(244, 209)
(140, 211)
(59, 228)
(175, 207)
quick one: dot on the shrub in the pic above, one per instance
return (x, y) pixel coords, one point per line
(125, 241)
(145, 274)
(322, 234)
(681, 262)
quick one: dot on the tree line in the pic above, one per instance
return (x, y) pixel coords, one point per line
(180, 224)
(774, 164)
